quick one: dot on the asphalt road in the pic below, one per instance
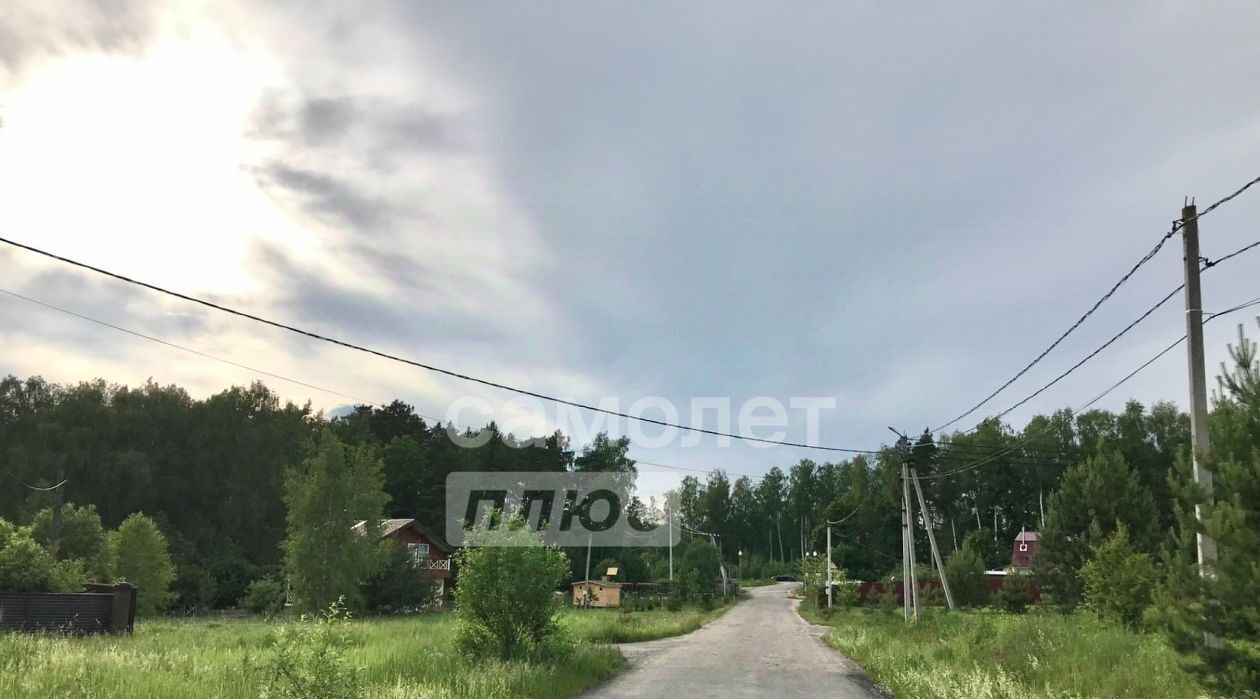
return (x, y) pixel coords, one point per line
(761, 648)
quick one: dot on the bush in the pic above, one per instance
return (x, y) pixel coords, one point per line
(701, 566)
(1015, 593)
(265, 596)
(308, 659)
(397, 587)
(141, 557)
(965, 571)
(82, 538)
(25, 566)
(504, 599)
(1118, 580)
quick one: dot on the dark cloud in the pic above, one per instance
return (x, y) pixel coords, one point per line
(43, 28)
(332, 200)
(376, 130)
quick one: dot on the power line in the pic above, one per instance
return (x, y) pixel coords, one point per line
(1176, 226)
(422, 365)
(182, 348)
(262, 372)
(1120, 334)
(1095, 399)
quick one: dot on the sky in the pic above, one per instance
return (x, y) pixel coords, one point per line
(896, 207)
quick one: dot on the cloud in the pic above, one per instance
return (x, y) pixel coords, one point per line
(41, 29)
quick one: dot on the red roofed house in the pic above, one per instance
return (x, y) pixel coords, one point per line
(431, 553)
(1025, 549)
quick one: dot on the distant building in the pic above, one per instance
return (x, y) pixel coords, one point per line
(598, 593)
(429, 551)
(1025, 549)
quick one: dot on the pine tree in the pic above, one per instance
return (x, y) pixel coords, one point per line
(1093, 496)
(1228, 604)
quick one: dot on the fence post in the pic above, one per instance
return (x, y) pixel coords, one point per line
(122, 616)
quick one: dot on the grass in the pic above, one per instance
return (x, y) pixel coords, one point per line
(398, 657)
(986, 654)
(756, 582)
(409, 657)
(613, 626)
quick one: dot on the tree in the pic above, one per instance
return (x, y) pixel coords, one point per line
(505, 598)
(335, 500)
(965, 571)
(1226, 605)
(703, 564)
(25, 566)
(1118, 580)
(1083, 512)
(82, 538)
(141, 557)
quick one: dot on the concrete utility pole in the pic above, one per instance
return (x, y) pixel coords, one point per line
(670, 514)
(1198, 392)
(936, 553)
(905, 528)
(829, 564)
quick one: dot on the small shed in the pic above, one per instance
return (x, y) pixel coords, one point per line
(1025, 549)
(596, 593)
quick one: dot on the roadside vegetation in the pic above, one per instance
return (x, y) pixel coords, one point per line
(990, 654)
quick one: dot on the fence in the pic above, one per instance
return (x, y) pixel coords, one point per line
(101, 609)
(871, 592)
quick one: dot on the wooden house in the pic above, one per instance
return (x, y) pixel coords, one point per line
(429, 551)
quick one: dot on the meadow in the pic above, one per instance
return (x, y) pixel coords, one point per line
(395, 657)
(990, 655)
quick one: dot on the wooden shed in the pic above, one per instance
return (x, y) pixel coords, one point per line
(602, 593)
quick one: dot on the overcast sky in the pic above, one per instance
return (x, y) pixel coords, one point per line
(895, 206)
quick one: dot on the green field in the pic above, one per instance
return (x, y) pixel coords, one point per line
(397, 657)
(986, 654)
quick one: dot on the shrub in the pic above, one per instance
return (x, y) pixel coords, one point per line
(701, 565)
(25, 566)
(504, 599)
(1015, 593)
(82, 538)
(308, 659)
(141, 557)
(1118, 580)
(265, 596)
(965, 570)
(397, 586)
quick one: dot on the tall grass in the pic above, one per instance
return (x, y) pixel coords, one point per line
(613, 626)
(985, 655)
(410, 657)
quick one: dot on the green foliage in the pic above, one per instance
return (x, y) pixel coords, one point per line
(1015, 594)
(397, 587)
(141, 557)
(699, 570)
(1118, 580)
(965, 571)
(994, 553)
(327, 558)
(505, 598)
(265, 596)
(1082, 513)
(308, 659)
(82, 538)
(1028, 656)
(1227, 606)
(25, 566)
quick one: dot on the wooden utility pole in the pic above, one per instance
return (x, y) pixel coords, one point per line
(1199, 442)
(936, 553)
